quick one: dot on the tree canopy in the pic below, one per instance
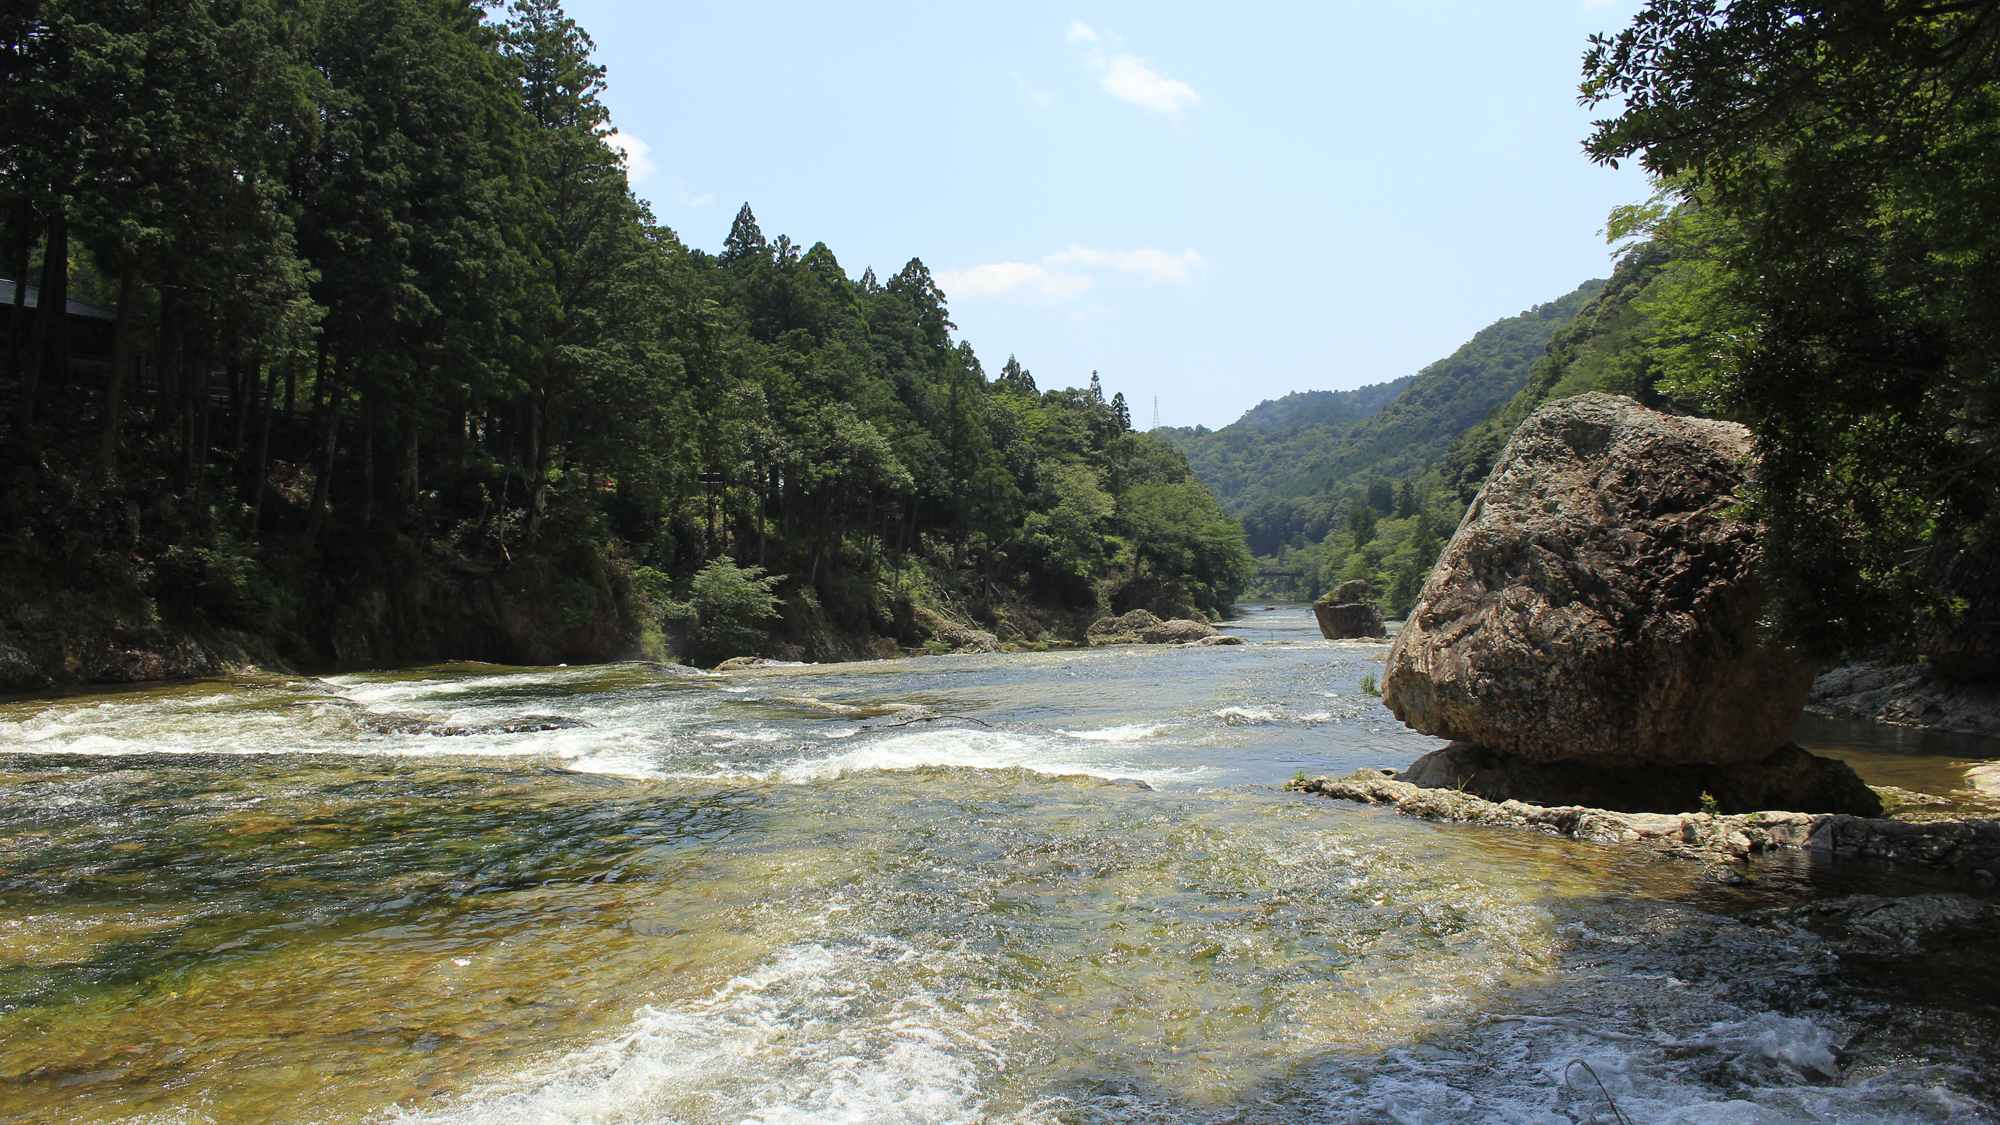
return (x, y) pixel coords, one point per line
(386, 304)
(1826, 184)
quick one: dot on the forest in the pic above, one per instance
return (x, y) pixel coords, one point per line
(377, 356)
(380, 359)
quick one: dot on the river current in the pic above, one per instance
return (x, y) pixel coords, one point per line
(1038, 888)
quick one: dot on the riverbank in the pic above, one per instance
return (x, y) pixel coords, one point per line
(1912, 695)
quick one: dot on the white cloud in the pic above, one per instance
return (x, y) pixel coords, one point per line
(1132, 79)
(637, 166)
(1061, 276)
(999, 279)
(1156, 264)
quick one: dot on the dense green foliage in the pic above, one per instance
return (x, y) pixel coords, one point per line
(1276, 440)
(402, 312)
(1827, 189)
(1611, 345)
(1337, 486)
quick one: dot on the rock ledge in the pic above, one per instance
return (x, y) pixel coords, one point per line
(1953, 845)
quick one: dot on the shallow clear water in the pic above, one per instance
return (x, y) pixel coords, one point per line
(1058, 887)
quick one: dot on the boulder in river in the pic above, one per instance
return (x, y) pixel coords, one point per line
(1142, 627)
(1176, 631)
(1123, 629)
(1789, 779)
(1598, 603)
(1345, 613)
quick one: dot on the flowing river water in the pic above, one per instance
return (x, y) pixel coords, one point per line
(1055, 887)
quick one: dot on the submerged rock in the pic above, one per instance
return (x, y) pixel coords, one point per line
(1597, 603)
(402, 722)
(1789, 778)
(1872, 923)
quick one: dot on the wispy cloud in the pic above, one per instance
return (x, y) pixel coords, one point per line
(1156, 264)
(1070, 273)
(998, 279)
(637, 165)
(1042, 98)
(1131, 78)
(684, 197)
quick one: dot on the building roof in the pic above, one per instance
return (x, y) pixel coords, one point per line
(76, 307)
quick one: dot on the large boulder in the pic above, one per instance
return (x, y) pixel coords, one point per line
(1345, 613)
(1598, 604)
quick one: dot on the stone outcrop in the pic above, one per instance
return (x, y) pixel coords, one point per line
(1789, 778)
(1345, 613)
(1129, 624)
(1176, 631)
(1139, 627)
(1597, 604)
(1960, 845)
(1911, 695)
(962, 638)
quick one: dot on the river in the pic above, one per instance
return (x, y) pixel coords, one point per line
(1049, 887)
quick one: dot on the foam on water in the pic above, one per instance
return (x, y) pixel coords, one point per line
(1128, 732)
(985, 750)
(847, 1034)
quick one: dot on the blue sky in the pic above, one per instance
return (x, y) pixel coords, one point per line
(1212, 204)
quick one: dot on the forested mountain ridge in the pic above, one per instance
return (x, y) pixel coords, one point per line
(401, 370)
(1442, 400)
(1272, 439)
(1299, 469)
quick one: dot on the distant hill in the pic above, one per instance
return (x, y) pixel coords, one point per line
(1311, 443)
(1275, 439)
(1442, 401)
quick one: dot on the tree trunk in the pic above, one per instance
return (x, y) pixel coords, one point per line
(114, 385)
(51, 324)
(17, 318)
(167, 367)
(264, 445)
(242, 385)
(410, 468)
(316, 517)
(204, 407)
(367, 460)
